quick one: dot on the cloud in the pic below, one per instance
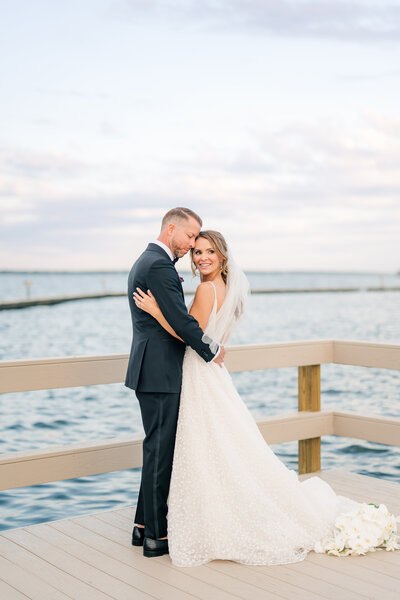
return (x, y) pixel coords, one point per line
(315, 163)
(317, 159)
(391, 74)
(74, 93)
(108, 129)
(305, 185)
(33, 164)
(338, 19)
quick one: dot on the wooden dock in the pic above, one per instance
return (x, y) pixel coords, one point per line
(90, 557)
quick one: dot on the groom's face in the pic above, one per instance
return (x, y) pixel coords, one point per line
(183, 235)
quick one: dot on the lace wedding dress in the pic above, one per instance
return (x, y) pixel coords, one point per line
(230, 496)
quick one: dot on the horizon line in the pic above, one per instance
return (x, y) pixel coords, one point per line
(115, 271)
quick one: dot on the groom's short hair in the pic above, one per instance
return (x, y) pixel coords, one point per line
(178, 214)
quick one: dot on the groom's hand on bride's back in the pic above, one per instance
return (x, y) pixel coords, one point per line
(221, 355)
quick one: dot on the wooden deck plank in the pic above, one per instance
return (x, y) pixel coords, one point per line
(355, 588)
(91, 557)
(121, 524)
(358, 567)
(323, 581)
(308, 582)
(201, 578)
(10, 593)
(58, 578)
(129, 580)
(127, 511)
(384, 567)
(371, 491)
(106, 587)
(387, 557)
(33, 587)
(348, 583)
(366, 480)
(127, 554)
(362, 488)
(367, 496)
(363, 483)
(281, 589)
(117, 520)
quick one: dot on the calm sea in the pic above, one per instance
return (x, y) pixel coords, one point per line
(89, 327)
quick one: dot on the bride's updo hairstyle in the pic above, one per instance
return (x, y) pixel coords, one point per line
(218, 244)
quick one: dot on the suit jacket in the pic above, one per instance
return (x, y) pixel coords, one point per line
(155, 361)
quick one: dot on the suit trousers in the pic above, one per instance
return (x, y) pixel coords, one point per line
(159, 416)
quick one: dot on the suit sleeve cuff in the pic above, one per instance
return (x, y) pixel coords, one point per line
(216, 354)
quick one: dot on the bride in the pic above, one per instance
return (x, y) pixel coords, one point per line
(230, 497)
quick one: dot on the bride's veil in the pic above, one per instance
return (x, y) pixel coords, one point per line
(219, 328)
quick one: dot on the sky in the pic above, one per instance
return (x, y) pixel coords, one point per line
(278, 121)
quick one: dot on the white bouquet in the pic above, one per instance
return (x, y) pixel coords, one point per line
(366, 529)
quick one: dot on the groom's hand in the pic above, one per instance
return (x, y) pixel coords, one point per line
(220, 358)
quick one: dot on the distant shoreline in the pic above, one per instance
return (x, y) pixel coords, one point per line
(125, 272)
(19, 303)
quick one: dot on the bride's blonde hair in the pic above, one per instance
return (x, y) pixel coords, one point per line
(218, 244)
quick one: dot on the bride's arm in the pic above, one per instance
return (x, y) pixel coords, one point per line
(200, 309)
(149, 304)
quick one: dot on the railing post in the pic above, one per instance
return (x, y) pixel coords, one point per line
(309, 398)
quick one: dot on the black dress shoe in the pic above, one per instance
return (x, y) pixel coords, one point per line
(154, 547)
(137, 536)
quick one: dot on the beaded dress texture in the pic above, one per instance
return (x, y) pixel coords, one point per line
(230, 497)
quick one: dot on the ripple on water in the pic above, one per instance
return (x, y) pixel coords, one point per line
(56, 496)
(356, 449)
(43, 425)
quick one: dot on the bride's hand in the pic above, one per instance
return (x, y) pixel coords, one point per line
(146, 302)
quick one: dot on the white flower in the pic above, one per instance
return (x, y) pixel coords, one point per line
(393, 543)
(365, 529)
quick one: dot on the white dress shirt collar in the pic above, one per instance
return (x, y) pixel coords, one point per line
(164, 247)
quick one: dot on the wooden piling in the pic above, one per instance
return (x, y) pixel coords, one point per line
(309, 399)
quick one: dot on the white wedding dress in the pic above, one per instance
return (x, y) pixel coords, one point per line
(230, 497)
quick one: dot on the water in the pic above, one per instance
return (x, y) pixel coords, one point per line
(57, 417)
(12, 285)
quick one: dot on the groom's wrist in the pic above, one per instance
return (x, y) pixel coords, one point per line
(216, 354)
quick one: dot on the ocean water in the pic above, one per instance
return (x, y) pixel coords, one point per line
(89, 327)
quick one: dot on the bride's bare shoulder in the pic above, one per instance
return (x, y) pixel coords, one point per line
(205, 290)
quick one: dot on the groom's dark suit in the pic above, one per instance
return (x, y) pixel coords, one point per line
(155, 373)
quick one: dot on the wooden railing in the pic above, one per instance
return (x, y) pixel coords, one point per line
(19, 469)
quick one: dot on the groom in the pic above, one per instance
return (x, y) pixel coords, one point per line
(155, 368)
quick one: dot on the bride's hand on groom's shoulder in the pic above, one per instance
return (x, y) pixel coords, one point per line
(146, 302)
